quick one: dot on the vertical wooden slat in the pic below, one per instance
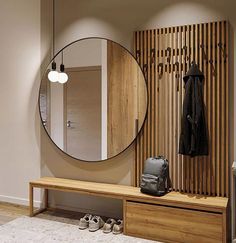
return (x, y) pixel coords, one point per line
(153, 105)
(213, 96)
(157, 125)
(201, 64)
(208, 164)
(170, 105)
(140, 141)
(218, 109)
(145, 124)
(227, 109)
(203, 68)
(175, 106)
(196, 160)
(144, 127)
(204, 65)
(140, 138)
(166, 85)
(192, 160)
(222, 91)
(137, 148)
(206, 82)
(179, 34)
(149, 123)
(161, 114)
(187, 159)
(184, 41)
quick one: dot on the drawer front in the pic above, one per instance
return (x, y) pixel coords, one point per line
(171, 224)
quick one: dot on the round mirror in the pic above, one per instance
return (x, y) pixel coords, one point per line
(94, 106)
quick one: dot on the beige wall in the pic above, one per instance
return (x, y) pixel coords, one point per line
(19, 122)
(20, 60)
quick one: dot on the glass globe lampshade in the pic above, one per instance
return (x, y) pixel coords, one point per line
(62, 78)
(53, 76)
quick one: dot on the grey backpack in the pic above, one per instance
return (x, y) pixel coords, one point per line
(155, 178)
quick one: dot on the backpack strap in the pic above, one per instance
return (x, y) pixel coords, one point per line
(168, 181)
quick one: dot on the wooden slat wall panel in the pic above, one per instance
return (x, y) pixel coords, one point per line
(165, 56)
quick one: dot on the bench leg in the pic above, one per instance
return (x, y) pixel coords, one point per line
(124, 216)
(46, 198)
(31, 200)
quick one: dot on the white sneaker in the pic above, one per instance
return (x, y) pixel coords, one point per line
(107, 227)
(118, 227)
(95, 223)
(84, 222)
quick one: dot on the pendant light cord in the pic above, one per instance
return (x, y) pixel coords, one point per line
(53, 30)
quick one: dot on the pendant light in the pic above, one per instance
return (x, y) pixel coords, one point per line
(62, 76)
(53, 74)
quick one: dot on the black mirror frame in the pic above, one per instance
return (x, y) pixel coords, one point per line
(146, 112)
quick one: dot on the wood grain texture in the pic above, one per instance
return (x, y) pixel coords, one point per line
(127, 98)
(215, 204)
(173, 224)
(9, 212)
(176, 48)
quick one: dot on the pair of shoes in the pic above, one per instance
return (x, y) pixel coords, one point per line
(112, 225)
(94, 223)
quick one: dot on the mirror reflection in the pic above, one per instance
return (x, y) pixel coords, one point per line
(99, 111)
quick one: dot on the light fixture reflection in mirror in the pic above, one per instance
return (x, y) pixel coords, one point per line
(101, 108)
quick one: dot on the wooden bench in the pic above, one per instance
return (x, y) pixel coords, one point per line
(174, 217)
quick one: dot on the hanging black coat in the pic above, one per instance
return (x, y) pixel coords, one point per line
(193, 138)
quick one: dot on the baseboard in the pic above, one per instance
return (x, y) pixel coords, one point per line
(18, 200)
(111, 214)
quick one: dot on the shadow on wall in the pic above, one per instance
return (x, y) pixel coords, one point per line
(58, 164)
(117, 20)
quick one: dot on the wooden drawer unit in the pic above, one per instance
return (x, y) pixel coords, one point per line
(172, 224)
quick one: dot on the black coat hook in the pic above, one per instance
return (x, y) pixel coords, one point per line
(145, 70)
(177, 75)
(169, 54)
(138, 55)
(187, 58)
(152, 55)
(202, 46)
(223, 49)
(213, 67)
(160, 70)
(177, 65)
